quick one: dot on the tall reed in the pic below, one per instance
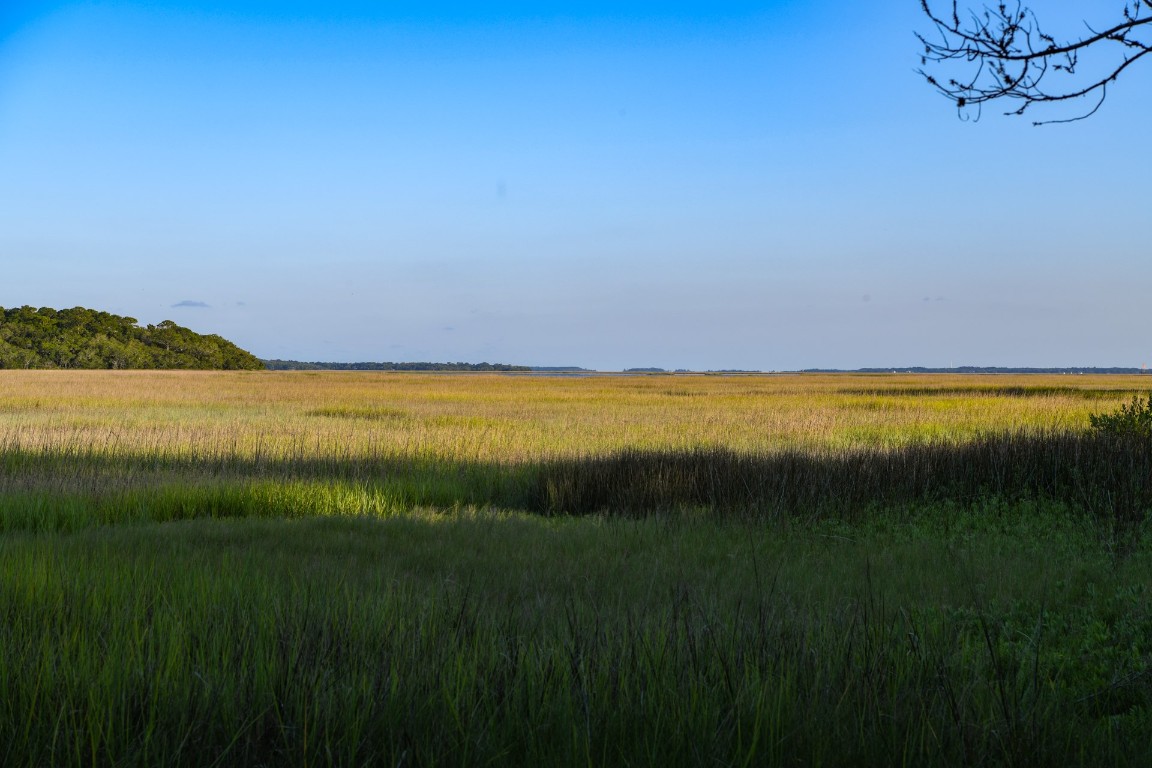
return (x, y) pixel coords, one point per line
(1108, 476)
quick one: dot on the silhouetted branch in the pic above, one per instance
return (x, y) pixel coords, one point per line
(1008, 56)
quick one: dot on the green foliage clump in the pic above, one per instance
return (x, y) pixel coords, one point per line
(1134, 419)
(86, 338)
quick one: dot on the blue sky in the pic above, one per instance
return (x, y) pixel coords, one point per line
(724, 185)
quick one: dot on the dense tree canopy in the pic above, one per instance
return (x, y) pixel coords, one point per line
(86, 338)
(1000, 53)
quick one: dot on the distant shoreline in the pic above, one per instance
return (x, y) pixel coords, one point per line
(984, 369)
(575, 371)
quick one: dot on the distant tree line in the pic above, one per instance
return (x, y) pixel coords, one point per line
(975, 369)
(87, 338)
(296, 365)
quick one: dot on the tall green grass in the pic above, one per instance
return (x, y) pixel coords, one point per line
(1104, 476)
(1108, 476)
(484, 638)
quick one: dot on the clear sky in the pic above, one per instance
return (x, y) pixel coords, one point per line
(711, 185)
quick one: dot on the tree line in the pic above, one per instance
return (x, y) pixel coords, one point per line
(87, 338)
(296, 365)
(979, 369)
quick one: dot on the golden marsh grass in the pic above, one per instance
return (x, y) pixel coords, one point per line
(511, 419)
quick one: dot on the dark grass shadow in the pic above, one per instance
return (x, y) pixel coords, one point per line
(1108, 476)
(1082, 393)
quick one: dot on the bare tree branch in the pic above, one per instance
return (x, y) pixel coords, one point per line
(1005, 55)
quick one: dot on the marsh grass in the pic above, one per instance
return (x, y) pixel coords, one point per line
(347, 569)
(485, 637)
(990, 390)
(1106, 476)
(516, 419)
(368, 413)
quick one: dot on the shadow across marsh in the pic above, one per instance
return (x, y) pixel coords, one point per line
(1107, 476)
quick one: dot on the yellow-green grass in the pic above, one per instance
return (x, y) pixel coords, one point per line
(82, 447)
(517, 419)
(366, 603)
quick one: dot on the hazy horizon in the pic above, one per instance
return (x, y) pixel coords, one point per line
(765, 186)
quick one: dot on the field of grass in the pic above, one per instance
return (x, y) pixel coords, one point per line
(400, 569)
